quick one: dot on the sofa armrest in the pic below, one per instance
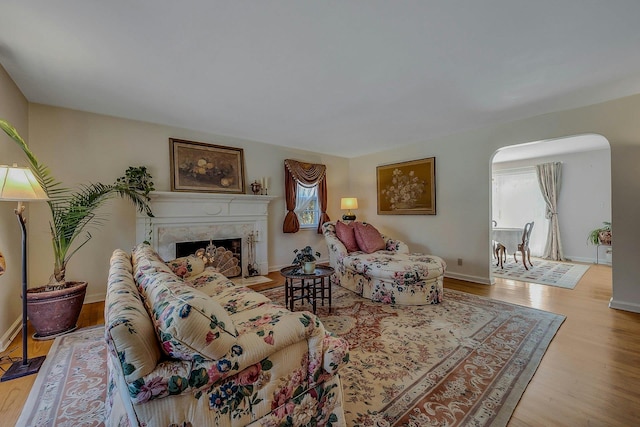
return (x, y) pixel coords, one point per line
(337, 249)
(335, 353)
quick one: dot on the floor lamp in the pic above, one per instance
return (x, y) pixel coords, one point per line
(19, 185)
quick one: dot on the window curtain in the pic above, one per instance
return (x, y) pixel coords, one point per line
(307, 175)
(549, 178)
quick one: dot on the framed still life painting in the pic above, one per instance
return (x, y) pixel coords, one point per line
(197, 166)
(407, 188)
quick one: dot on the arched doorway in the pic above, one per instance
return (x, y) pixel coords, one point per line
(584, 200)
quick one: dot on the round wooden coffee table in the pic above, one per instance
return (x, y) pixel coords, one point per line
(311, 286)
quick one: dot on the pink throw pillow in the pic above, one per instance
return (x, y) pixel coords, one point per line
(345, 233)
(368, 238)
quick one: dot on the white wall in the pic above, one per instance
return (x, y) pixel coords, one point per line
(14, 109)
(463, 172)
(81, 147)
(584, 201)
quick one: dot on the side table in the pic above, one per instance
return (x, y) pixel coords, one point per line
(311, 286)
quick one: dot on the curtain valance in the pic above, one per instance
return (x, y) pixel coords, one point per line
(307, 174)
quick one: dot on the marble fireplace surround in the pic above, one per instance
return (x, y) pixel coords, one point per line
(189, 217)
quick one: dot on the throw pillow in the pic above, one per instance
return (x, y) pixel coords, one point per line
(185, 267)
(368, 237)
(346, 234)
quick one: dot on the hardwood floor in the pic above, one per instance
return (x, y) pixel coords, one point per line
(589, 376)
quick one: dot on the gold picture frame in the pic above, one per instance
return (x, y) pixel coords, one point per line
(407, 188)
(202, 167)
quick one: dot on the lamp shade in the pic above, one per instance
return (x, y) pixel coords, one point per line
(349, 203)
(19, 184)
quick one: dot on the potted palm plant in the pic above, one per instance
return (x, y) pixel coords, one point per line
(55, 307)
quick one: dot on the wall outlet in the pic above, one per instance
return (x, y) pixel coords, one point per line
(459, 261)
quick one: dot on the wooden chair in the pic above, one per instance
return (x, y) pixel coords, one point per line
(523, 247)
(499, 252)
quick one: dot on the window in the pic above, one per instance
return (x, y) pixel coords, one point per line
(517, 200)
(307, 206)
(305, 189)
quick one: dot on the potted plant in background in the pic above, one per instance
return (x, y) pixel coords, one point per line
(600, 235)
(54, 308)
(306, 259)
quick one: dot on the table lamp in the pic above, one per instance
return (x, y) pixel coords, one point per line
(20, 185)
(349, 203)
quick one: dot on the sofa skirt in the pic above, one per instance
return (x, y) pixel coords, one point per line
(408, 279)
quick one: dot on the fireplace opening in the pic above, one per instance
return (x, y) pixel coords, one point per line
(232, 245)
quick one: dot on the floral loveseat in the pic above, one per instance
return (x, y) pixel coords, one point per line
(380, 268)
(193, 349)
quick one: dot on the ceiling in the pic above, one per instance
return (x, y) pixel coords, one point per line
(345, 77)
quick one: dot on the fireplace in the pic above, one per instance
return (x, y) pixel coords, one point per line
(181, 217)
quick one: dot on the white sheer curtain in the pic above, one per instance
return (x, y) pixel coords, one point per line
(550, 178)
(307, 205)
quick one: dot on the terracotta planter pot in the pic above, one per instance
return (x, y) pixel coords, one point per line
(53, 313)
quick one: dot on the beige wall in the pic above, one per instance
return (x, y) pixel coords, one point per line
(14, 109)
(83, 147)
(463, 170)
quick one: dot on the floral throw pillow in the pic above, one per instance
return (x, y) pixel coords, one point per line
(187, 266)
(346, 234)
(368, 237)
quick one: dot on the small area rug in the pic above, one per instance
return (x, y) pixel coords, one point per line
(71, 386)
(464, 362)
(544, 272)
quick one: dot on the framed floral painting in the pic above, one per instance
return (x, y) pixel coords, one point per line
(197, 166)
(407, 188)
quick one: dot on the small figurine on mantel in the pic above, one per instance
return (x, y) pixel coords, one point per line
(256, 187)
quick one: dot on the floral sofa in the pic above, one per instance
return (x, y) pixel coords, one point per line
(380, 268)
(187, 347)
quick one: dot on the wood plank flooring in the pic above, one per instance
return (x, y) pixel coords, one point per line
(589, 376)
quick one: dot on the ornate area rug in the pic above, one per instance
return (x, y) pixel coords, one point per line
(465, 362)
(71, 386)
(561, 274)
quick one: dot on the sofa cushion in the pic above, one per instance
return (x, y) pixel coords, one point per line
(368, 237)
(185, 267)
(189, 323)
(346, 234)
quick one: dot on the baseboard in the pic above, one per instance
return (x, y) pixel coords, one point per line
(602, 260)
(468, 278)
(622, 305)
(99, 297)
(13, 331)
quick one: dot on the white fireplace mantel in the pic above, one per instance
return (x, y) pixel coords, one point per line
(186, 217)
